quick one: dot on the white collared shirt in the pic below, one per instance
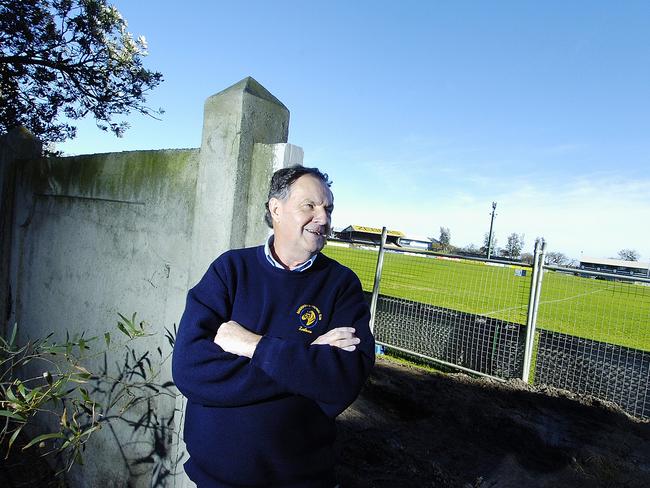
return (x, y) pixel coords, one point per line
(269, 256)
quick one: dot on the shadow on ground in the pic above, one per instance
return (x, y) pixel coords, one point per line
(412, 428)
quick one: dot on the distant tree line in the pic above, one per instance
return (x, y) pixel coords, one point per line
(513, 250)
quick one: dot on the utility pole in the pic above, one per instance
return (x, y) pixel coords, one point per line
(489, 247)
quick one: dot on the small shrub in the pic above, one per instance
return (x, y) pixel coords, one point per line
(67, 389)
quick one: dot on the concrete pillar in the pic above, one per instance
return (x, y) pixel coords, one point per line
(267, 158)
(16, 147)
(232, 174)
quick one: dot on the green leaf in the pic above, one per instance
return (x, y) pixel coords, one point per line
(77, 379)
(44, 437)
(13, 437)
(107, 339)
(124, 319)
(10, 395)
(84, 395)
(171, 336)
(11, 415)
(82, 369)
(123, 329)
(31, 394)
(12, 337)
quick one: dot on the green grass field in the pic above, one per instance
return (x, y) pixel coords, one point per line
(608, 311)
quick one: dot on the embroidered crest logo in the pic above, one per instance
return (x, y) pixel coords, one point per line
(309, 316)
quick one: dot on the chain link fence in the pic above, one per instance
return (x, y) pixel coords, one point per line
(464, 312)
(594, 336)
(359, 257)
(572, 329)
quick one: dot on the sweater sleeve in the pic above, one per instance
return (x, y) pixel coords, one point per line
(328, 375)
(202, 371)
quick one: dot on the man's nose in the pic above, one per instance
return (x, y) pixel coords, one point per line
(321, 216)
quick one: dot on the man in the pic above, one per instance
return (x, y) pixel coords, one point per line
(273, 345)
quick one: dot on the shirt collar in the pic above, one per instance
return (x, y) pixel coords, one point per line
(298, 269)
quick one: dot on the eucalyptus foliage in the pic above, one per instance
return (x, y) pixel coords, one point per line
(62, 60)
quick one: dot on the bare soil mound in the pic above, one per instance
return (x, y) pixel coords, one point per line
(414, 428)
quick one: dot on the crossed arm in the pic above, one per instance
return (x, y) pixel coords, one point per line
(220, 363)
(236, 339)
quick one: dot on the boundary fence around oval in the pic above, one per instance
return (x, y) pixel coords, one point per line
(583, 331)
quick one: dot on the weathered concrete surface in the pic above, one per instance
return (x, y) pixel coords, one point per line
(98, 235)
(233, 121)
(16, 147)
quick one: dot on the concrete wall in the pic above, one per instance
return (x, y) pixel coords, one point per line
(16, 148)
(95, 235)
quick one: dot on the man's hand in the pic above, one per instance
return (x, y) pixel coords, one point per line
(341, 337)
(235, 339)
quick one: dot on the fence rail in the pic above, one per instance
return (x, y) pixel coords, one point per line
(584, 331)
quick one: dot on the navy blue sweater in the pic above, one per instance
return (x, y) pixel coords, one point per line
(269, 420)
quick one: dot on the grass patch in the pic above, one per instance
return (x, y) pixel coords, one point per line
(607, 311)
(415, 361)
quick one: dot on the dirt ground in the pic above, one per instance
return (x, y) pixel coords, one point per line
(414, 428)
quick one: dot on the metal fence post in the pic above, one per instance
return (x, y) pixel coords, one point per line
(375, 287)
(533, 305)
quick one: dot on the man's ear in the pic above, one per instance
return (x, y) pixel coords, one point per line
(275, 209)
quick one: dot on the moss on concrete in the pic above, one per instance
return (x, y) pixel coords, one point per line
(125, 175)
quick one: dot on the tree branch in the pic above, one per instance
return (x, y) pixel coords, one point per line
(28, 60)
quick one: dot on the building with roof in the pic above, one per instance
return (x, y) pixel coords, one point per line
(417, 242)
(372, 235)
(617, 266)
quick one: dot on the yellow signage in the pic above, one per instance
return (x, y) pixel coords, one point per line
(375, 230)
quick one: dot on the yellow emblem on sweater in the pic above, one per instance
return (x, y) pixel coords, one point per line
(309, 316)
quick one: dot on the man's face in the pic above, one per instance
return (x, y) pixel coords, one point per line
(302, 221)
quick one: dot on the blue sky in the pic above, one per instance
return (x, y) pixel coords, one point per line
(423, 113)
